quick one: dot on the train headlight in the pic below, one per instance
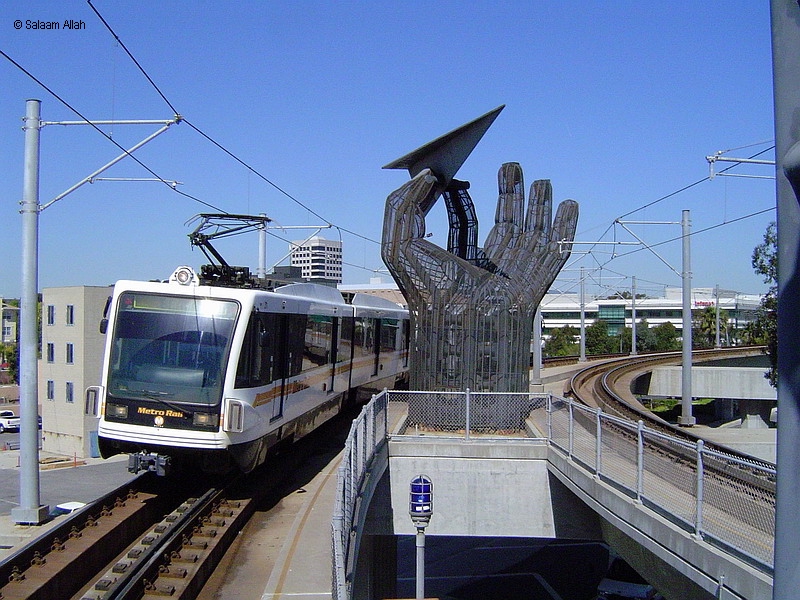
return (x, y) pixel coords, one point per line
(117, 411)
(184, 276)
(202, 419)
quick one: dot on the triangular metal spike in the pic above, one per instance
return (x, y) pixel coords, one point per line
(445, 155)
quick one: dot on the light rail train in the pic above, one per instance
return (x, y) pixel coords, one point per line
(215, 377)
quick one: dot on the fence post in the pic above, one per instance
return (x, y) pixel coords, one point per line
(699, 510)
(598, 451)
(386, 415)
(468, 398)
(639, 460)
(550, 417)
(571, 429)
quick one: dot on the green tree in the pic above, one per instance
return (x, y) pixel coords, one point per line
(561, 342)
(764, 329)
(666, 338)
(704, 326)
(13, 364)
(645, 338)
(598, 340)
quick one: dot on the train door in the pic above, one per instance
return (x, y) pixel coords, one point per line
(334, 351)
(376, 347)
(280, 364)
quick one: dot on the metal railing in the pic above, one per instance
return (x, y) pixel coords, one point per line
(717, 497)
(367, 435)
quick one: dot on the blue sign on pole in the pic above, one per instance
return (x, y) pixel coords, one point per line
(421, 499)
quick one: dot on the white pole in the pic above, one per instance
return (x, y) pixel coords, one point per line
(633, 319)
(583, 319)
(686, 419)
(262, 250)
(716, 303)
(537, 347)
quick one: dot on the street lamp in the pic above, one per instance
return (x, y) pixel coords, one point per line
(420, 508)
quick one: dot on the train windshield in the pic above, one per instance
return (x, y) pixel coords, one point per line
(171, 349)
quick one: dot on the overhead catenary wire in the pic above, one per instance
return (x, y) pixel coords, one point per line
(213, 141)
(166, 182)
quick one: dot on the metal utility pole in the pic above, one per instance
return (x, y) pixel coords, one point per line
(536, 376)
(786, 82)
(29, 510)
(716, 304)
(583, 317)
(262, 249)
(633, 316)
(686, 419)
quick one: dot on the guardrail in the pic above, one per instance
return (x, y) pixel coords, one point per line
(720, 498)
(716, 496)
(367, 435)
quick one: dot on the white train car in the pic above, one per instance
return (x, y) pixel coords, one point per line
(212, 377)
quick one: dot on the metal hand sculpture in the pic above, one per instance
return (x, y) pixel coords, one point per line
(472, 309)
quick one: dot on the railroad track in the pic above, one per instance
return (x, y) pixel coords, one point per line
(607, 385)
(123, 546)
(160, 537)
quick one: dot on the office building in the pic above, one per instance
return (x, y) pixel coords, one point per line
(320, 260)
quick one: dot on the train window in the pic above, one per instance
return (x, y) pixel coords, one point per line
(295, 344)
(318, 336)
(389, 329)
(346, 333)
(257, 364)
(171, 348)
(364, 336)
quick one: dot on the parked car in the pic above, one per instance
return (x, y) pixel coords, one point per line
(8, 421)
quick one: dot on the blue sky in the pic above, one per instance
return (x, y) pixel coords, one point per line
(617, 103)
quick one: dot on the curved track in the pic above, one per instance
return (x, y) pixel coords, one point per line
(607, 385)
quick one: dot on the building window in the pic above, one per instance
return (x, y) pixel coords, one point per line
(51, 352)
(70, 392)
(70, 354)
(70, 314)
(51, 389)
(51, 314)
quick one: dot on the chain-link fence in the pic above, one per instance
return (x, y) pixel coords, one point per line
(469, 413)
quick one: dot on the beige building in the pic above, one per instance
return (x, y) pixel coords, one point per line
(72, 355)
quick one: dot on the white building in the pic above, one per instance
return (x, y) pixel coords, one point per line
(72, 355)
(563, 309)
(560, 310)
(319, 259)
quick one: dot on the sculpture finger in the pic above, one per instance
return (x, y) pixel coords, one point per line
(565, 223)
(508, 216)
(511, 194)
(540, 207)
(403, 219)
